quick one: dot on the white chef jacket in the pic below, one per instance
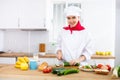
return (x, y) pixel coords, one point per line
(75, 44)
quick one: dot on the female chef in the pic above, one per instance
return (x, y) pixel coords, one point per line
(74, 44)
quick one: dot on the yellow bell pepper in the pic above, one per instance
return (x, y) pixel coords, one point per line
(21, 59)
(26, 59)
(17, 66)
(18, 63)
(24, 66)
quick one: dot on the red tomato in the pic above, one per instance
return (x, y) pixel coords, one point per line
(47, 70)
(99, 65)
(109, 67)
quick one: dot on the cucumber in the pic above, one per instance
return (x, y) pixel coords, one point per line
(61, 72)
(70, 71)
(67, 71)
(56, 70)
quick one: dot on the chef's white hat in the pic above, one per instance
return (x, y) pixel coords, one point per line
(72, 10)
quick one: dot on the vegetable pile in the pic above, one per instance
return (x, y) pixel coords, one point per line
(22, 63)
(47, 70)
(44, 67)
(101, 66)
(89, 67)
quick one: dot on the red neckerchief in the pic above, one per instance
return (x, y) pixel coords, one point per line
(78, 27)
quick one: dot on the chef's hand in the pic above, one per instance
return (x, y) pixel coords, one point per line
(59, 55)
(74, 61)
(80, 59)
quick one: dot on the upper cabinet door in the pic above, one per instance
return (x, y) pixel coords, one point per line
(32, 14)
(22, 14)
(8, 14)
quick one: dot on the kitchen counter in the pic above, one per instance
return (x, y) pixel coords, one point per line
(48, 55)
(102, 57)
(21, 54)
(9, 72)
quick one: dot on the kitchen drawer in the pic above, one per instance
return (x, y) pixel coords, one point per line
(7, 60)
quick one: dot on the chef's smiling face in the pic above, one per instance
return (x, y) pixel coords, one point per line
(72, 20)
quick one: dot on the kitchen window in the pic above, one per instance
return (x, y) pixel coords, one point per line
(58, 21)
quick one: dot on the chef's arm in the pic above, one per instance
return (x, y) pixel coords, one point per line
(82, 58)
(58, 48)
(89, 49)
(59, 55)
(59, 52)
(87, 52)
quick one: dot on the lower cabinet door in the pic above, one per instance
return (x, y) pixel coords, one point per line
(7, 60)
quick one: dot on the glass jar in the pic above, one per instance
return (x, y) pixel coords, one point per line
(42, 47)
(33, 64)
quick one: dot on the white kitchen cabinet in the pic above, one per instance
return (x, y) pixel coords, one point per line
(22, 14)
(32, 13)
(7, 60)
(8, 14)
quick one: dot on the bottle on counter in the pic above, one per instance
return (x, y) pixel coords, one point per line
(36, 56)
(42, 47)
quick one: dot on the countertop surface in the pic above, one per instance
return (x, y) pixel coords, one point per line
(9, 72)
(21, 54)
(49, 55)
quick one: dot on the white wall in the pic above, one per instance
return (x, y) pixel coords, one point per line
(99, 19)
(117, 47)
(24, 41)
(1, 40)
